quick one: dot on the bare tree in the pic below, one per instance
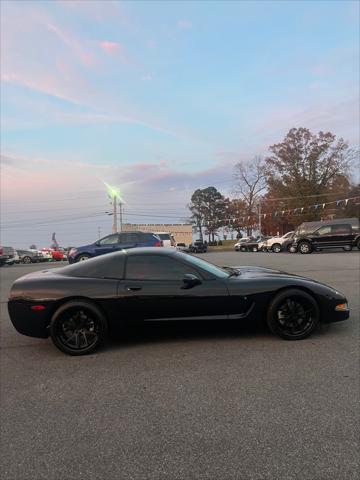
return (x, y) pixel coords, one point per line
(250, 182)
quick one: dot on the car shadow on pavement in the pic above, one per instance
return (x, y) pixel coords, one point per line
(174, 331)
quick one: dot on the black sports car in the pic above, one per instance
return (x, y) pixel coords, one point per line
(78, 304)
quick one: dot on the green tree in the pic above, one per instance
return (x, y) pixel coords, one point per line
(209, 210)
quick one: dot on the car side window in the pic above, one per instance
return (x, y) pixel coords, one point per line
(129, 238)
(110, 240)
(324, 230)
(338, 229)
(156, 267)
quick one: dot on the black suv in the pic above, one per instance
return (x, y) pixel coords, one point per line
(198, 247)
(339, 233)
(114, 242)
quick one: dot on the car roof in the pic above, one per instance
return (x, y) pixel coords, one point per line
(149, 251)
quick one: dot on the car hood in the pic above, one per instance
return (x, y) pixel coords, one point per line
(256, 270)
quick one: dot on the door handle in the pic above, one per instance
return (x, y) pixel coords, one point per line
(133, 289)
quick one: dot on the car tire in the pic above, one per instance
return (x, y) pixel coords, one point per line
(243, 249)
(285, 311)
(264, 249)
(255, 249)
(347, 248)
(82, 257)
(288, 248)
(304, 248)
(26, 260)
(276, 248)
(78, 328)
(358, 243)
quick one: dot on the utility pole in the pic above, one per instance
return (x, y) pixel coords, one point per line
(114, 228)
(120, 216)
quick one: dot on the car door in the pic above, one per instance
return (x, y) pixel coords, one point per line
(107, 244)
(322, 238)
(153, 288)
(341, 235)
(128, 240)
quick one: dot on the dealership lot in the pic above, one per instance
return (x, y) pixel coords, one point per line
(185, 401)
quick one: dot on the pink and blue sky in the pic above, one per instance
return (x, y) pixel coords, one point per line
(158, 98)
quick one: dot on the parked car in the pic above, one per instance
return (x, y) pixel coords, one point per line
(167, 239)
(182, 247)
(338, 233)
(112, 243)
(277, 244)
(241, 242)
(30, 256)
(198, 247)
(7, 256)
(78, 304)
(52, 254)
(252, 244)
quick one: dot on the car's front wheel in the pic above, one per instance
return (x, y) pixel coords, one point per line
(82, 257)
(305, 247)
(78, 328)
(276, 248)
(293, 314)
(26, 259)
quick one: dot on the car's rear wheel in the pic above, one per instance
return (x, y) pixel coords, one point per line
(263, 249)
(243, 249)
(82, 257)
(26, 260)
(78, 328)
(288, 248)
(293, 314)
(347, 248)
(305, 247)
(276, 248)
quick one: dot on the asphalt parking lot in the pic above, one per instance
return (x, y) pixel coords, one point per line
(181, 401)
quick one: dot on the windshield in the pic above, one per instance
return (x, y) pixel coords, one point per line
(207, 266)
(164, 236)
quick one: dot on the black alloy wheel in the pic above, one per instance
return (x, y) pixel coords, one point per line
(293, 314)
(78, 328)
(276, 248)
(305, 247)
(26, 259)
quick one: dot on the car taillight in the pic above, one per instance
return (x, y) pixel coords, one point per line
(158, 244)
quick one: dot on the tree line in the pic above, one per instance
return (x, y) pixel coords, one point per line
(302, 170)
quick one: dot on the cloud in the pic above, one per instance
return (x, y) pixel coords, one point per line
(184, 24)
(73, 44)
(110, 47)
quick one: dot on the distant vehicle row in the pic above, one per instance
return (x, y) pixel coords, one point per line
(308, 237)
(10, 256)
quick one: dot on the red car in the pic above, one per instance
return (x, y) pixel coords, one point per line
(56, 255)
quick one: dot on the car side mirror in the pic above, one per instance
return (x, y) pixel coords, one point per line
(97, 244)
(190, 281)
